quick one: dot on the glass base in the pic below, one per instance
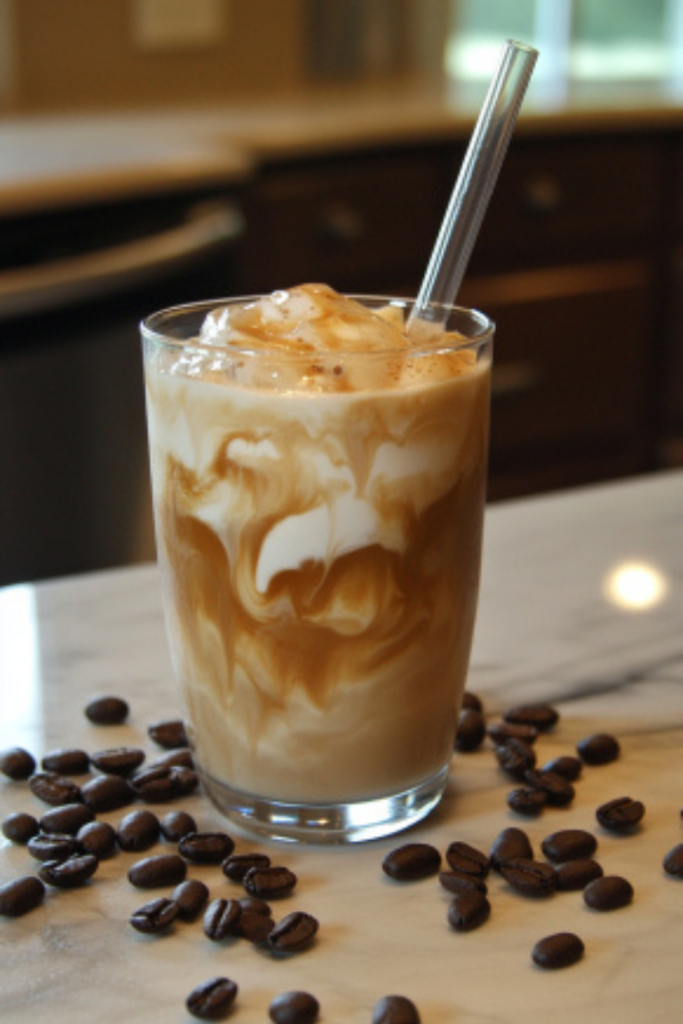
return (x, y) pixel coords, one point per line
(327, 823)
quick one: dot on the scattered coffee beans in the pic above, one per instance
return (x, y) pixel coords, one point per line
(54, 789)
(107, 711)
(21, 895)
(673, 862)
(468, 911)
(412, 862)
(169, 734)
(395, 1010)
(177, 824)
(138, 831)
(180, 758)
(467, 859)
(542, 716)
(270, 882)
(254, 927)
(98, 837)
(576, 874)
(620, 815)
(163, 783)
(293, 933)
(559, 792)
(107, 793)
(560, 950)
(66, 762)
(530, 877)
(511, 844)
(190, 897)
(220, 919)
(516, 758)
(501, 732)
(598, 749)
(568, 767)
(158, 870)
(470, 732)
(155, 916)
(67, 819)
(206, 847)
(212, 999)
(569, 844)
(69, 873)
(294, 1008)
(17, 764)
(53, 846)
(236, 865)
(118, 760)
(610, 892)
(457, 883)
(20, 827)
(527, 801)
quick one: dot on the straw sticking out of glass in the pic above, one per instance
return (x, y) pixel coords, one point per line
(476, 181)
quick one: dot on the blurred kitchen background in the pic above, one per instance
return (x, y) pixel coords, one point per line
(153, 152)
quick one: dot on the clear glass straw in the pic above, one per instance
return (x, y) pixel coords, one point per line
(476, 181)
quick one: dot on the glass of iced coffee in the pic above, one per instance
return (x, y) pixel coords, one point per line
(319, 481)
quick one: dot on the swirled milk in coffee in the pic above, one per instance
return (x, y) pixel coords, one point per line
(319, 478)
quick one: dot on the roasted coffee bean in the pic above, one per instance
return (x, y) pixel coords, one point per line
(177, 824)
(169, 734)
(107, 710)
(254, 927)
(138, 831)
(516, 758)
(468, 911)
(530, 877)
(54, 789)
(395, 1010)
(21, 895)
(598, 749)
(542, 716)
(186, 779)
(471, 701)
(159, 785)
(118, 760)
(568, 767)
(220, 919)
(212, 999)
(501, 732)
(66, 762)
(609, 892)
(569, 844)
(558, 790)
(53, 846)
(17, 764)
(470, 732)
(107, 793)
(527, 801)
(620, 815)
(155, 916)
(576, 874)
(190, 897)
(98, 837)
(559, 950)
(70, 873)
(467, 859)
(269, 883)
(293, 933)
(158, 870)
(511, 844)
(673, 862)
(236, 865)
(412, 862)
(294, 1008)
(206, 847)
(254, 905)
(180, 758)
(20, 827)
(66, 819)
(456, 882)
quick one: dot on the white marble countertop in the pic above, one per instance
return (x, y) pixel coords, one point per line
(546, 632)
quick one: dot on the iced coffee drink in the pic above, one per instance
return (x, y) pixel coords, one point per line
(319, 479)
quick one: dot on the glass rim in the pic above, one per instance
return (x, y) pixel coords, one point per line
(151, 330)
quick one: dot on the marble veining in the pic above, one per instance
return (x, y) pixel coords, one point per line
(547, 631)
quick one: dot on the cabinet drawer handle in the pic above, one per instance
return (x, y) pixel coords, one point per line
(542, 195)
(512, 379)
(341, 223)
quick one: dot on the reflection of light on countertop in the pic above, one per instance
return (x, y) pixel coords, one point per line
(635, 586)
(20, 704)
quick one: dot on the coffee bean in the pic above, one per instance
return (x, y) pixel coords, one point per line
(107, 793)
(511, 844)
(542, 716)
(70, 873)
(169, 734)
(206, 847)
(17, 764)
(66, 762)
(467, 859)
(559, 792)
(177, 824)
(118, 760)
(158, 870)
(598, 749)
(455, 882)
(180, 758)
(20, 827)
(610, 892)
(294, 1008)
(236, 865)
(293, 933)
(138, 831)
(576, 874)
(501, 732)
(527, 801)
(515, 758)
(412, 862)
(67, 819)
(620, 815)
(53, 846)
(254, 905)
(21, 895)
(220, 919)
(186, 779)
(395, 1010)
(530, 877)
(468, 911)
(254, 927)
(270, 882)
(107, 710)
(190, 897)
(54, 789)
(471, 701)
(98, 837)
(569, 844)
(155, 916)
(673, 861)
(568, 767)
(158, 785)
(559, 950)
(470, 732)
(212, 999)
